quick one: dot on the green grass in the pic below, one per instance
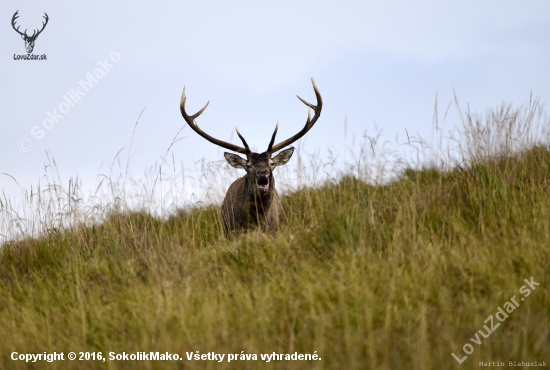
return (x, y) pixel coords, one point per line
(394, 276)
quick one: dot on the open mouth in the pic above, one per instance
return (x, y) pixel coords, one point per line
(263, 183)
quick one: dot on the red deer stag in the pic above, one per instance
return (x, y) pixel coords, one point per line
(252, 200)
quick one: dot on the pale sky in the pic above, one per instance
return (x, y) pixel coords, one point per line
(378, 63)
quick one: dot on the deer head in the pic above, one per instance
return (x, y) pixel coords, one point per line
(29, 40)
(259, 166)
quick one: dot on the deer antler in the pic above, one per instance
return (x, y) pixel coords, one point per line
(309, 123)
(191, 122)
(35, 33)
(15, 16)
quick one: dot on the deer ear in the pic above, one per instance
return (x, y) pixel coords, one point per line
(283, 157)
(235, 160)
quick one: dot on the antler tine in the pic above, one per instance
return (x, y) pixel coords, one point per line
(273, 138)
(242, 139)
(43, 24)
(13, 19)
(309, 123)
(191, 122)
(45, 16)
(306, 103)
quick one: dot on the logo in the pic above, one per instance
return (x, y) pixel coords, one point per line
(29, 40)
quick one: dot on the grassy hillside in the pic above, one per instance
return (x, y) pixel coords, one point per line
(395, 276)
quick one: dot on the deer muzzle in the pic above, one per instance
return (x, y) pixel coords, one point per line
(262, 181)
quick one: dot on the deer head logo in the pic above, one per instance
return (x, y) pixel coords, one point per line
(29, 40)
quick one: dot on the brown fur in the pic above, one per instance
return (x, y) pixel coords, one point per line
(245, 205)
(243, 209)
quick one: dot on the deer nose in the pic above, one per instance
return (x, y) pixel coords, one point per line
(261, 173)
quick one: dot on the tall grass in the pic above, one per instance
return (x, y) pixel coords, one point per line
(385, 266)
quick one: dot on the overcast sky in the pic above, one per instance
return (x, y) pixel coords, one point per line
(378, 63)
